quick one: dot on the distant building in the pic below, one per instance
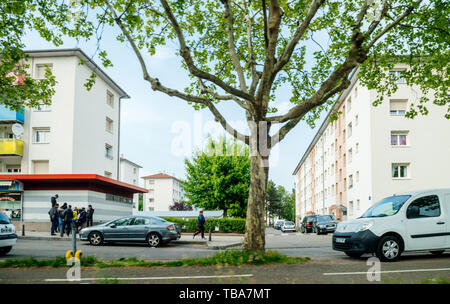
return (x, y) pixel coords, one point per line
(163, 191)
(372, 152)
(129, 173)
(70, 147)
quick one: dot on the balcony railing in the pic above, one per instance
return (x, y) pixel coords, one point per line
(11, 147)
(9, 116)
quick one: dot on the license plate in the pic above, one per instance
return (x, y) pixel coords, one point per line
(340, 240)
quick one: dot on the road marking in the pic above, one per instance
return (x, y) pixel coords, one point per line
(154, 278)
(387, 271)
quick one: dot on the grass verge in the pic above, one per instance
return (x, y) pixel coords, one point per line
(225, 258)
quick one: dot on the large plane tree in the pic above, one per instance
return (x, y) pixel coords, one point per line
(246, 51)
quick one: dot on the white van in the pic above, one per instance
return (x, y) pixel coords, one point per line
(413, 221)
(8, 235)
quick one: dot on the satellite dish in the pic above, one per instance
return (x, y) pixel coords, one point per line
(17, 129)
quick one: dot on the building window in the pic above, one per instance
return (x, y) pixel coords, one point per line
(398, 106)
(13, 169)
(350, 156)
(42, 68)
(109, 124)
(349, 128)
(40, 166)
(43, 108)
(357, 176)
(350, 208)
(108, 174)
(350, 181)
(108, 151)
(349, 104)
(41, 135)
(399, 138)
(110, 99)
(356, 147)
(397, 76)
(151, 200)
(134, 170)
(400, 170)
(356, 120)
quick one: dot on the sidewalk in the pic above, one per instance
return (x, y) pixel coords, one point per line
(218, 241)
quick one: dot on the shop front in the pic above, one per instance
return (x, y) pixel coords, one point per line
(11, 199)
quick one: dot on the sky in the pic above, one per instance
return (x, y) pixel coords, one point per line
(159, 132)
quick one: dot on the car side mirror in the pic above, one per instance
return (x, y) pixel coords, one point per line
(113, 226)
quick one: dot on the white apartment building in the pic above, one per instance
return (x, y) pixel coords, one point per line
(163, 191)
(129, 173)
(372, 152)
(70, 147)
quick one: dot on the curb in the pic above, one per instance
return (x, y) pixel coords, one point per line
(44, 238)
(221, 247)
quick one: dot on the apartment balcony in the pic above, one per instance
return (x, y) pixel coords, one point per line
(11, 147)
(9, 116)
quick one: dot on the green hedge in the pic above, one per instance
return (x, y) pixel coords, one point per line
(236, 225)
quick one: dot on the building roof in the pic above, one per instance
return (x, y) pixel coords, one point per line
(134, 164)
(87, 60)
(56, 182)
(323, 126)
(180, 214)
(159, 175)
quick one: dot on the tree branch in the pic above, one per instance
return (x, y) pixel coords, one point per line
(185, 53)
(232, 46)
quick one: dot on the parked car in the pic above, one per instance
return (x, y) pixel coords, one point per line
(412, 221)
(324, 224)
(307, 224)
(278, 224)
(288, 226)
(8, 235)
(150, 229)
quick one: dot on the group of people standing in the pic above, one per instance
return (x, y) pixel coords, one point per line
(64, 217)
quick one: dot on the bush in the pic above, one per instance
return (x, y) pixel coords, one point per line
(235, 225)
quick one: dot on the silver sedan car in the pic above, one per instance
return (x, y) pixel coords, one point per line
(150, 229)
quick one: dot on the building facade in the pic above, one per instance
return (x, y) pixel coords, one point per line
(370, 152)
(129, 173)
(163, 191)
(70, 146)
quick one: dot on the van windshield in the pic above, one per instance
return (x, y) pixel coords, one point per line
(387, 207)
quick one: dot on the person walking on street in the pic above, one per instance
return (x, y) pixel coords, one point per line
(90, 216)
(54, 219)
(53, 200)
(67, 218)
(200, 225)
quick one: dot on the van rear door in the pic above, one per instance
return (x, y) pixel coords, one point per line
(426, 223)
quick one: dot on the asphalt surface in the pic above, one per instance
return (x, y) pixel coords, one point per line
(326, 266)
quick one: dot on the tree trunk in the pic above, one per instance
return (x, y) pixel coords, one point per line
(255, 229)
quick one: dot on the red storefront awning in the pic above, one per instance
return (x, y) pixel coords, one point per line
(91, 182)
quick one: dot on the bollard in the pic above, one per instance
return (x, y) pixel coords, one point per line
(210, 234)
(23, 229)
(74, 238)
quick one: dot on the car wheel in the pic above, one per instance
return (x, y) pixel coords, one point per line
(437, 252)
(154, 240)
(389, 249)
(5, 250)
(318, 231)
(353, 254)
(95, 238)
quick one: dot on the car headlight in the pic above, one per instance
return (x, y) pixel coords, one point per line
(365, 226)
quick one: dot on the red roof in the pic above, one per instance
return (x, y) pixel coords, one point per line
(75, 182)
(159, 175)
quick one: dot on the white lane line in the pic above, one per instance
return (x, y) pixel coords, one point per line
(387, 271)
(154, 278)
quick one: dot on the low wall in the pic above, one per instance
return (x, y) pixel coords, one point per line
(35, 226)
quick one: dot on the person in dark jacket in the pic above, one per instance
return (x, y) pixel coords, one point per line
(60, 217)
(200, 226)
(81, 219)
(90, 216)
(67, 221)
(54, 218)
(53, 199)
